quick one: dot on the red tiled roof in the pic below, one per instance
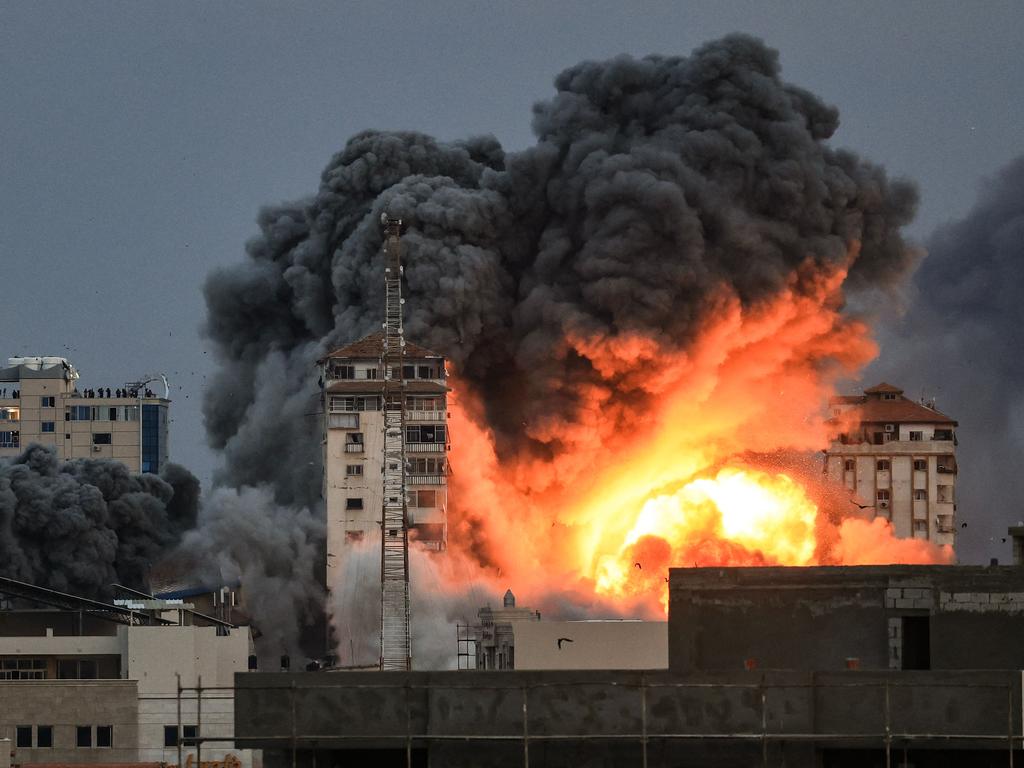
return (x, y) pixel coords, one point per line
(370, 346)
(883, 387)
(373, 387)
(901, 410)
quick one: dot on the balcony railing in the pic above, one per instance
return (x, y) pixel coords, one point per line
(426, 447)
(426, 479)
(353, 447)
(426, 415)
(10, 442)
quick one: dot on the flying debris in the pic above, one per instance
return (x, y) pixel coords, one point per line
(563, 640)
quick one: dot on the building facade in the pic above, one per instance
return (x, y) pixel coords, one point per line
(41, 404)
(353, 441)
(898, 458)
(78, 690)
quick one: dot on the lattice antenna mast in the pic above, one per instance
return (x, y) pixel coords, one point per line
(395, 643)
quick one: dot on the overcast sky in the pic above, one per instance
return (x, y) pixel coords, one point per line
(138, 140)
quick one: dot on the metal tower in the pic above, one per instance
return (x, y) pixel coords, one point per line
(395, 645)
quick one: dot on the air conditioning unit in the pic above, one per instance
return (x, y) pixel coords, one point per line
(883, 505)
(95, 449)
(890, 427)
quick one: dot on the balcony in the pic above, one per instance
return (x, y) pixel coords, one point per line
(944, 524)
(353, 447)
(426, 447)
(426, 479)
(10, 442)
(436, 416)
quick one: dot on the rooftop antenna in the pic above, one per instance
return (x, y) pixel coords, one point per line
(395, 644)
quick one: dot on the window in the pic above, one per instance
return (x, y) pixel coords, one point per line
(353, 503)
(882, 465)
(76, 669)
(23, 736)
(354, 442)
(78, 413)
(47, 401)
(190, 732)
(83, 736)
(353, 470)
(170, 735)
(423, 499)
(425, 404)
(425, 434)
(131, 413)
(917, 436)
(945, 493)
(44, 736)
(849, 465)
(22, 669)
(424, 372)
(10, 439)
(111, 414)
(921, 465)
(920, 494)
(104, 735)
(423, 466)
(344, 371)
(883, 495)
(943, 434)
(46, 426)
(343, 420)
(947, 465)
(371, 373)
(920, 526)
(889, 396)
(408, 371)
(101, 438)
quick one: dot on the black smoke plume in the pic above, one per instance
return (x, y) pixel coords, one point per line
(961, 342)
(79, 526)
(653, 184)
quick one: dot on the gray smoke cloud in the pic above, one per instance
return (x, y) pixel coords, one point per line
(80, 526)
(653, 184)
(961, 343)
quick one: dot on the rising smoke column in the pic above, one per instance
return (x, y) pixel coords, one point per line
(670, 207)
(80, 526)
(961, 342)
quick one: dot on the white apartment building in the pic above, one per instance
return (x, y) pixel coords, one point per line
(353, 441)
(898, 457)
(41, 404)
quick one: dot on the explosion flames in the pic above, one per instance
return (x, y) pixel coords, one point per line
(653, 292)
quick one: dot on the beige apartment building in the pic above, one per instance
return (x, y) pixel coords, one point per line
(898, 458)
(41, 404)
(353, 441)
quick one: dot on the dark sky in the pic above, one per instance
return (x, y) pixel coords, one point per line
(138, 140)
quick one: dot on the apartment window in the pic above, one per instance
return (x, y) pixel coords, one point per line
(921, 465)
(354, 442)
(76, 669)
(343, 420)
(131, 413)
(425, 434)
(882, 465)
(423, 499)
(190, 732)
(22, 669)
(111, 414)
(883, 495)
(408, 371)
(44, 736)
(424, 372)
(889, 396)
(104, 735)
(47, 401)
(353, 470)
(371, 373)
(424, 466)
(943, 434)
(920, 526)
(849, 465)
(46, 426)
(10, 439)
(920, 495)
(101, 438)
(170, 735)
(945, 493)
(947, 465)
(425, 404)
(23, 737)
(78, 413)
(83, 736)
(344, 371)
(353, 503)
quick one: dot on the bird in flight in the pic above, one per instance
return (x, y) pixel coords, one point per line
(563, 640)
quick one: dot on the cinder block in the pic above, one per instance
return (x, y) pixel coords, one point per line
(924, 603)
(904, 602)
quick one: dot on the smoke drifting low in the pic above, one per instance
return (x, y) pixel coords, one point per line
(961, 342)
(80, 526)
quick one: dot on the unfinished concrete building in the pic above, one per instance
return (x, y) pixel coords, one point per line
(818, 667)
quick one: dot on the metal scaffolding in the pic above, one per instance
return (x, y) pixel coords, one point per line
(395, 645)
